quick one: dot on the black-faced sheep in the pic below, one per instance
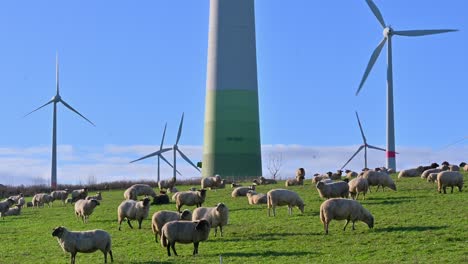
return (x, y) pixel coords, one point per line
(162, 217)
(133, 210)
(351, 174)
(344, 209)
(12, 211)
(216, 216)
(280, 197)
(184, 232)
(333, 189)
(61, 195)
(190, 198)
(79, 194)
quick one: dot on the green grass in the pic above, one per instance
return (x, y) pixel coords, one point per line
(416, 224)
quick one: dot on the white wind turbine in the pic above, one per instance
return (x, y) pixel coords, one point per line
(56, 99)
(159, 154)
(388, 33)
(363, 146)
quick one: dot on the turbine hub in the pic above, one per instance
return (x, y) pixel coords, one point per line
(56, 98)
(387, 32)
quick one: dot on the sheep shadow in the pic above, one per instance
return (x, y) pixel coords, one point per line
(410, 228)
(150, 262)
(268, 253)
(396, 200)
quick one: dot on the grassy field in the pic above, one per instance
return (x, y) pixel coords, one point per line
(416, 224)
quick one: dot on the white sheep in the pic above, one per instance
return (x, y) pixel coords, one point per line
(454, 168)
(432, 177)
(84, 242)
(429, 171)
(5, 205)
(263, 181)
(79, 194)
(162, 217)
(21, 202)
(351, 174)
(463, 166)
(256, 198)
(379, 178)
(133, 210)
(344, 209)
(190, 198)
(294, 182)
(98, 197)
(184, 232)
(167, 184)
(449, 179)
(358, 185)
(415, 172)
(242, 191)
(319, 178)
(210, 182)
(84, 208)
(332, 190)
(216, 216)
(61, 195)
(280, 197)
(337, 175)
(15, 198)
(135, 190)
(41, 199)
(12, 211)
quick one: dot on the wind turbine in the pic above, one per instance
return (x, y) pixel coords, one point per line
(388, 33)
(56, 99)
(363, 146)
(159, 154)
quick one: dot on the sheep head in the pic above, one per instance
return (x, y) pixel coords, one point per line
(202, 225)
(58, 231)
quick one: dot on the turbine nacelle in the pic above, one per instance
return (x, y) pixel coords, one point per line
(57, 98)
(387, 32)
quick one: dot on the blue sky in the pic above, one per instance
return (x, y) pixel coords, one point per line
(131, 67)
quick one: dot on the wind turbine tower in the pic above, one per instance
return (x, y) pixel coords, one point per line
(232, 128)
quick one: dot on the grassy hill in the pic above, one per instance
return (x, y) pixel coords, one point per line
(416, 224)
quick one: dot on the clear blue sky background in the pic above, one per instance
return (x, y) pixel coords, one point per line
(131, 66)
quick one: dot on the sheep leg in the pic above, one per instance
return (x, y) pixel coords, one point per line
(112, 257)
(452, 189)
(347, 222)
(378, 186)
(129, 224)
(216, 230)
(445, 189)
(72, 258)
(173, 248)
(289, 210)
(221, 231)
(269, 209)
(105, 256)
(353, 224)
(195, 248)
(139, 223)
(168, 249)
(325, 226)
(357, 196)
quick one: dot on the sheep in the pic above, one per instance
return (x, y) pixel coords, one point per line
(280, 197)
(415, 172)
(29, 204)
(15, 198)
(293, 182)
(41, 199)
(79, 194)
(263, 181)
(242, 191)
(60, 195)
(5, 205)
(12, 211)
(84, 208)
(21, 202)
(318, 178)
(356, 186)
(98, 197)
(210, 182)
(337, 175)
(256, 198)
(463, 166)
(378, 178)
(235, 185)
(429, 171)
(184, 232)
(454, 168)
(351, 174)
(216, 216)
(344, 209)
(84, 242)
(167, 184)
(162, 217)
(135, 190)
(449, 179)
(332, 190)
(432, 177)
(300, 174)
(161, 199)
(133, 210)
(190, 198)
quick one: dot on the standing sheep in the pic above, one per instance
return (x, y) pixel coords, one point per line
(337, 175)
(79, 194)
(135, 190)
(333, 190)
(84, 242)
(210, 182)
(84, 208)
(167, 184)
(358, 185)
(464, 166)
(449, 179)
(60, 195)
(216, 216)
(280, 197)
(190, 198)
(184, 232)
(429, 171)
(41, 199)
(21, 202)
(351, 174)
(5, 205)
(432, 177)
(162, 217)
(344, 209)
(133, 210)
(378, 178)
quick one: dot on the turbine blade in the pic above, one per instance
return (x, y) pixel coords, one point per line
(71, 108)
(180, 129)
(51, 101)
(354, 155)
(152, 154)
(417, 33)
(360, 127)
(372, 60)
(168, 163)
(164, 135)
(57, 74)
(376, 12)
(377, 148)
(187, 159)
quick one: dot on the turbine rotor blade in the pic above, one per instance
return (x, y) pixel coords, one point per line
(360, 127)
(376, 12)
(187, 159)
(168, 163)
(164, 135)
(355, 153)
(417, 33)
(371, 63)
(51, 101)
(57, 73)
(152, 154)
(180, 129)
(377, 148)
(71, 108)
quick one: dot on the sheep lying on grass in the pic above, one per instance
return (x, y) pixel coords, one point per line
(449, 179)
(256, 198)
(280, 197)
(133, 210)
(184, 232)
(344, 209)
(12, 211)
(242, 191)
(84, 242)
(132, 192)
(160, 218)
(84, 208)
(5, 205)
(216, 216)
(415, 172)
(189, 198)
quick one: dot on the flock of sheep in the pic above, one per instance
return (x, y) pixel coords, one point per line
(194, 227)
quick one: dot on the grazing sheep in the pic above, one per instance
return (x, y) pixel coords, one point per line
(293, 182)
(432, 166)
(358, 185)
(449, 179)
(190, 198)
(351, 174)
(60, 195)
(216, 216)
(242, 191)
(162, 217)
(41, 199)
(344, 209)
(135, 190)
(280, 197)
(12, 211)
(79, 194)
(133, 210)
(161, 199)
(84, 208)
(256, 198)
(167, 184)
(411, 172)
(432, 177)
(333, 190)
(5, 205)
(98, 197)
(184, 232)
(429, 171)
(337, 175)
(84, 242)
(378, 178)
(210, 182)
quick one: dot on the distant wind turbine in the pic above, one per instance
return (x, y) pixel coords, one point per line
(388, 32)
(363, 146)
(159, 154)
(56, 99)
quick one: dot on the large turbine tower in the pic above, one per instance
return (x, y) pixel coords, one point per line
(388, 33)
(232, 129)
